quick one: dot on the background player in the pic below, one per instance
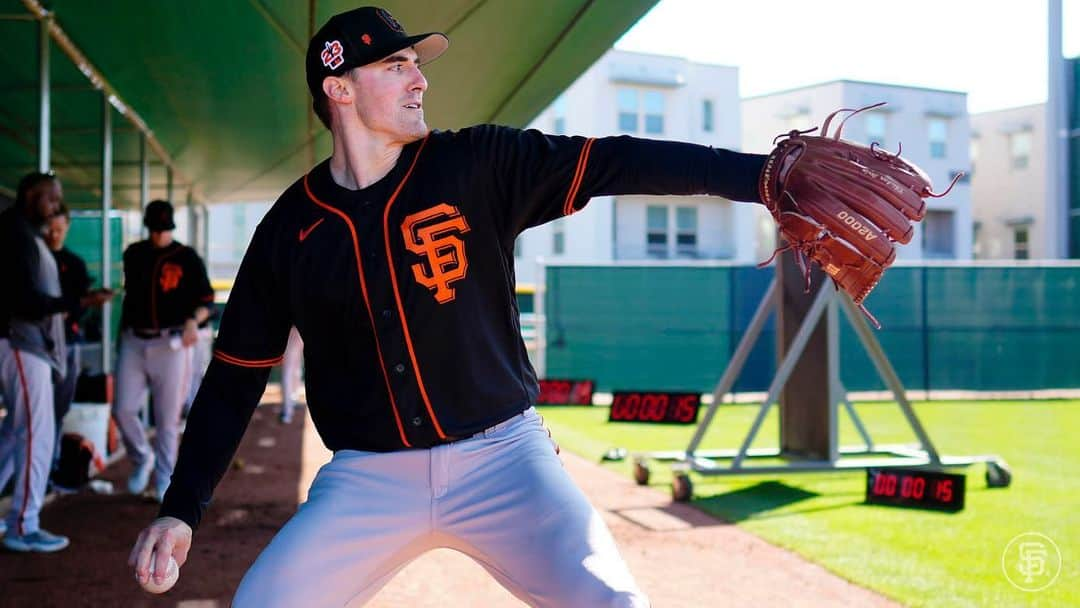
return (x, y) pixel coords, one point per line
(33, 355)
(166, 297)
(394, 260)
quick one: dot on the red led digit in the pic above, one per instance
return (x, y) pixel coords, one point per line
(879, 484)
(658, 408)
(905, 487)
(890, 485)
(918, 487)
(633, 405)
(684, 410)
(618, 409)
(944, 490)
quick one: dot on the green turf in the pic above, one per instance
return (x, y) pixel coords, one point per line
(919, 558)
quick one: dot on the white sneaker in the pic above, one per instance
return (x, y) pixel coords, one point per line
(286, 416)
(140, 477)
(159, 493)
(39, 541)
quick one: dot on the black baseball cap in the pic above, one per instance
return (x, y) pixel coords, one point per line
(362, 36)
(158, 216)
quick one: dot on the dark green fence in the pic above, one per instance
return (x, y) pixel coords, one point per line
(944, 327)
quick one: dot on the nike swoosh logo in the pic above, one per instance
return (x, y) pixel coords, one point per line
(304, 233)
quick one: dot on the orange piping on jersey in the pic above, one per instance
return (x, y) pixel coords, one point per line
(153, 285)
(367, 304)
(248, 362)
(397, 295)
(579, 173)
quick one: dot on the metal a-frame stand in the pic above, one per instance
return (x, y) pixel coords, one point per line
(828, 302)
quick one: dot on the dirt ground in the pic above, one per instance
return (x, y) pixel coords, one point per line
(680, 556)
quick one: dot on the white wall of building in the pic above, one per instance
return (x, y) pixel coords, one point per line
(1008, 185)
(615, 228)
(932, 125)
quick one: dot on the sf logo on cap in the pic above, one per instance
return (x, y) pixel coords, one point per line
(331, 55)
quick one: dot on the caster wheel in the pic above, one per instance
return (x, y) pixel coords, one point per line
(682, 488)
(641, 473)
(998, 474)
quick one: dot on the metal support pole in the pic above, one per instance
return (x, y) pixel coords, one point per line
(144, 173)
(832, 337)
(169, 186)
(809, 322)
(44, 126)
(735, 365)
(192, 228)
(205, 234)
(106, 240)
(889, 375)
(539, 294)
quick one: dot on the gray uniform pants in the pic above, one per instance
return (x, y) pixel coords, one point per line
(28, 433)
(501, 497)
(165, 367)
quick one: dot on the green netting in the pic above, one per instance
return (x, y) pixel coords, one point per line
(675, 328)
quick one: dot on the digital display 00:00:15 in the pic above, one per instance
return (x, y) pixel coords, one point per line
(915, 488)
(639, 406)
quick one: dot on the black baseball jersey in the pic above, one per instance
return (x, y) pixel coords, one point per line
(74, 283)
(404, 291)
(162, 287)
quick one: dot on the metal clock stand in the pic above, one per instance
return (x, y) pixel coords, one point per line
(828, 302)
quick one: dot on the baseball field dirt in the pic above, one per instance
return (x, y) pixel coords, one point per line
(680, 556)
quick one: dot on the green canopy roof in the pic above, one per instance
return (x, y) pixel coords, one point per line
(220, 84)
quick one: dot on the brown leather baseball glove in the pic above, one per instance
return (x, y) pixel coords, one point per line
(843, 205)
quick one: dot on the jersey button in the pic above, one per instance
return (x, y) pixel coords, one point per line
(399, 368)
(386, 313)
(417, 421)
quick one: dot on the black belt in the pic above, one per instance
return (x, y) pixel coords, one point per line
(150, 334)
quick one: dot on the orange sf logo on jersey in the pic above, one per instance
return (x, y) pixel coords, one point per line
(434, 234)
(170, 277)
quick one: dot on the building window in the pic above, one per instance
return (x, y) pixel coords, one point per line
(938, 231)
(558, 110)
(558, 237)
(654, 112)
(1020, 149)
(938, 131)
(976, 239)
(628, 110)
(656, 231)
(686, 232)
(875, 128)
(1020, 243)
(707, 116)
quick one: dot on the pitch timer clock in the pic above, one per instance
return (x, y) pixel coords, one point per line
(556, 391)
(644, 406)
(915, 488)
